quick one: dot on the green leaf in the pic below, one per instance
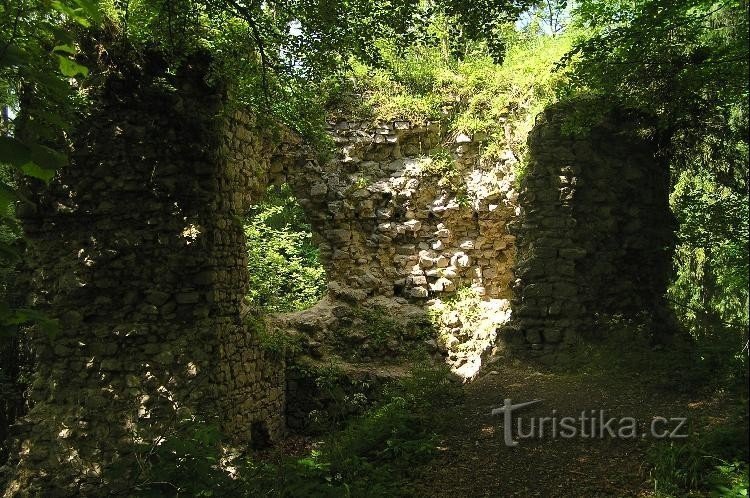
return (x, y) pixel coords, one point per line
(67, 49)
(5, 203)
(71, 68)
(77, 15)
(35, 171)
(14, 152)
(36, 161)
(91, 8)
(48, 158)
(62, 36)
(51, 326)
(13, 56)
(55, 86)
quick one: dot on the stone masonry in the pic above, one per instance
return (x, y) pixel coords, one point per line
(595, 235)
(389, 220)
(406, 214)
(139, 253)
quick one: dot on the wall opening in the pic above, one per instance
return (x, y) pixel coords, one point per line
(283, 260)
(413, 236)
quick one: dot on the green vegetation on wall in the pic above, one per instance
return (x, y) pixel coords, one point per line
(474, 94)
(685, 64)
(376, 332)
(373, 455)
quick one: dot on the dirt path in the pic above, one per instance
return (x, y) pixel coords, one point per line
(475, 461)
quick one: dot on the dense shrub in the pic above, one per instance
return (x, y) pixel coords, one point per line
(283, 262)
(714, 462)
(372, 456)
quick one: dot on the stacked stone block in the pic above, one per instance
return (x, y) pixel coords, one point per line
(137, 251)
(390, 224)
(595, 235)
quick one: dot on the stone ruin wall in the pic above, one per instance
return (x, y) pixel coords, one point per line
(386, 224)
(595, 232)
(139, 253)
(404, 216)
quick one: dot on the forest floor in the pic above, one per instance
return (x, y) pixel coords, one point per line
(475, 461)
(633, 387)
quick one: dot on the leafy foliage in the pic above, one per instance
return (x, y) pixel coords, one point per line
(283, 263)
(282, 344)
(685, 62)
(467, 302)
(712, 279)
(715, 462)
(375, 453)
(372, 456)
(37, 65)
(374, 331)
(38, 68)
(285, 57)
(473, 95)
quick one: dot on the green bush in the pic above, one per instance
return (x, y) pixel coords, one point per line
(377, 452)
(283, 262)
(710, 291)
(472, 95)
(713, 462)
(372, 456)
(375, 331)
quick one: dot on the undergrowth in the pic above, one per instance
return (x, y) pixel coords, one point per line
(714, 462)
(285, 273)
(495, 102)
(376, 332)
(372, 456)
(621, 347)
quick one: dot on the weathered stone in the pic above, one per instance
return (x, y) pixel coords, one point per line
(157, 298)
(460, 259)
(413, 225)
(419, 280)
(425, 261)
(419, 292)
(138, 185)
(443, 285)
(533, 336)
(449, 272)
(552, 335)
(584, 209)
(318, 190)
(467, 244)
(187, 297)
(442, 261)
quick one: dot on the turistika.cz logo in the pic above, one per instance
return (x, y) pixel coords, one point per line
(590, 424)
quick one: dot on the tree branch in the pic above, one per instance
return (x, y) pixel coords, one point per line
(244, 13)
